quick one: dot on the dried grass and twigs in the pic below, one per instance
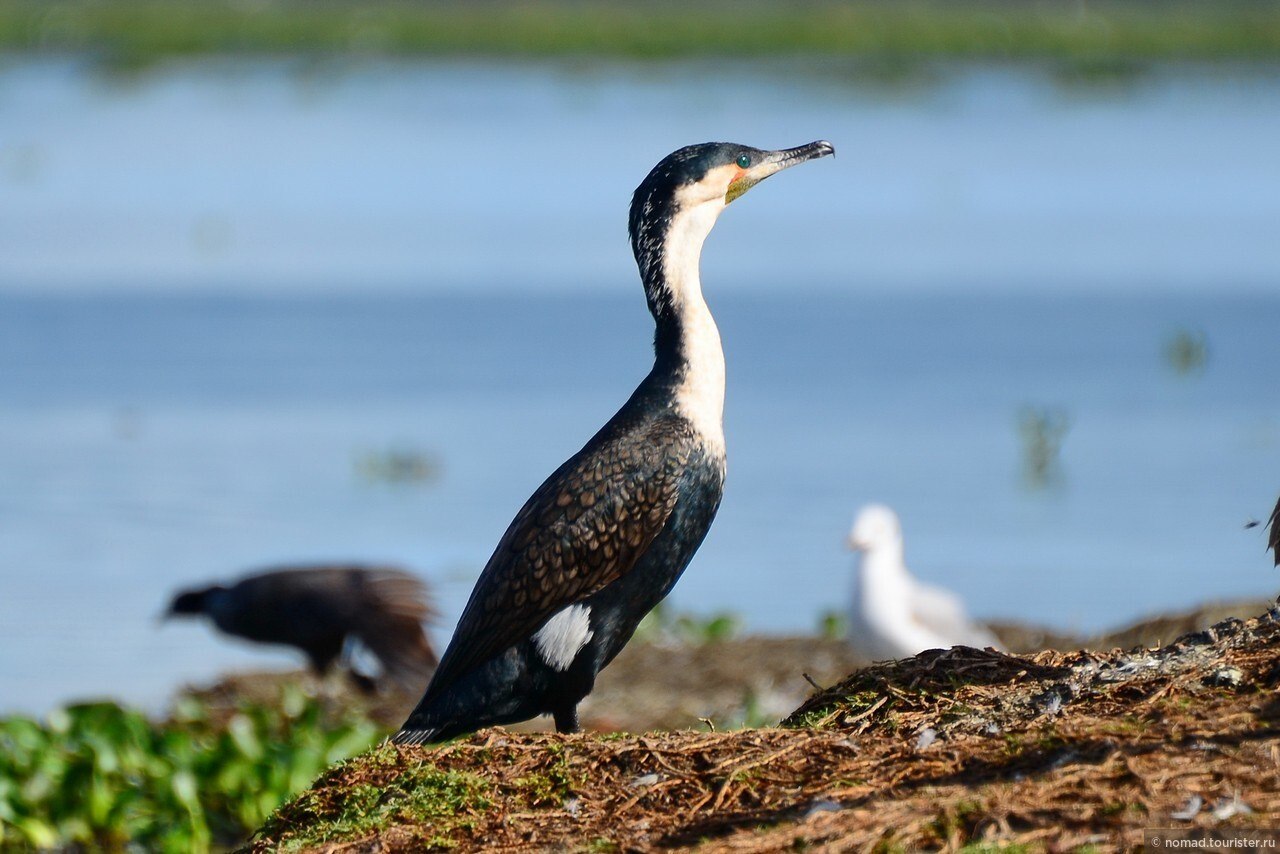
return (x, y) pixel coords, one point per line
(1054, 751)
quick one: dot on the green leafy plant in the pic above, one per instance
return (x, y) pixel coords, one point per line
(103, 776)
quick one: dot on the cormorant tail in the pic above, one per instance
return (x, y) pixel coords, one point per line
(394, 607)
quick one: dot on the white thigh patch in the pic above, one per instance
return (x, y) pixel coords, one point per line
(564, 636)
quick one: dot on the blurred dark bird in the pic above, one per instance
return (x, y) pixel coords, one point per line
(1273, 541)
(322, 609)
(607, 535)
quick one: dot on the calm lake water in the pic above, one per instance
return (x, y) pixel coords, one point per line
(223, 288)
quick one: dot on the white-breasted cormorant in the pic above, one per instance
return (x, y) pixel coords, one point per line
(607, 535)
(894, 615)
(318, 609)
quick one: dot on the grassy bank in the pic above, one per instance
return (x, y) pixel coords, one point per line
(1114, 31)
(952, 750)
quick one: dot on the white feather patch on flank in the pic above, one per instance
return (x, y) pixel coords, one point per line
(700, 396)
(563, 636)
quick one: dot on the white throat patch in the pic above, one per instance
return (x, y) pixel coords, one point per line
(563, 636)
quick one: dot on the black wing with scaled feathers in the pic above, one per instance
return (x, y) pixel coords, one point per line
(585, 527)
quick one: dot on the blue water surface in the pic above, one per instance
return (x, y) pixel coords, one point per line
(149, 442)
(222, 288)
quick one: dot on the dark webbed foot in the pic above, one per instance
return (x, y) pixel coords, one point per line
(567, 720)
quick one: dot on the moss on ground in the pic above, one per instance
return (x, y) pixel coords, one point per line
(380, 790)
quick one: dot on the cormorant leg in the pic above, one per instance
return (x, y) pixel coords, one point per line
(364, 684)
(566, 719)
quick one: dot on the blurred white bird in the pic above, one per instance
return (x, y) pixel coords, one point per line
(893, 615)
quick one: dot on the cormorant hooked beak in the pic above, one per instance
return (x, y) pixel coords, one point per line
(773, 162)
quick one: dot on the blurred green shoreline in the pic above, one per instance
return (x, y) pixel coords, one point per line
(1081, 35)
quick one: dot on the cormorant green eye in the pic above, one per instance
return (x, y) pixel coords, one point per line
(744, 161)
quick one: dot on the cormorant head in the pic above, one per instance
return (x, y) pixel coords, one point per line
(192, 602)
(675, 206)
(875, 526)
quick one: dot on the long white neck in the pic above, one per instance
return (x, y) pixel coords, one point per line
(700, 394)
